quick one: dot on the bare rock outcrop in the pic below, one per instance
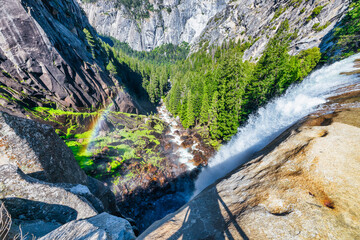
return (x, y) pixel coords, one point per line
(36, 149)
(100, 227)
(304, 185)
(257, 22)
(33, 199)
(65, 194)
(38, 207)
(39, 152)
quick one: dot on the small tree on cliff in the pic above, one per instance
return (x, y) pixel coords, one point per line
(111, 68)
(91, 41)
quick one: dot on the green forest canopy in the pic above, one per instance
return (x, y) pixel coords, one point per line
(214, 88)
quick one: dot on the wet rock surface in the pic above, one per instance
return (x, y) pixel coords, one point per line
(301, 185)
(159, 191)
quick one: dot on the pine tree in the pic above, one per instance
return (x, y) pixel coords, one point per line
(213, 115)
(111, 68)
(184, 110)
(204, 112)
(91, 41)
(190, 115)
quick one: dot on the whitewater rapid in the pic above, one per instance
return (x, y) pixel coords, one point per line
(271, 120)
(184, 154)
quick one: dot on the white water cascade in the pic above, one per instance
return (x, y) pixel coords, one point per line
(184, 154)
(276, 116)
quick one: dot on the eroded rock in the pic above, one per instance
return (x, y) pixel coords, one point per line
(35, 148)
(100, 227)
(31, 199)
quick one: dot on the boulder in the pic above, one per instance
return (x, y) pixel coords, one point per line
(101, 227)
(28, 198)
(304, 185)
(38, 207)
(36, 148)
(39, 152)
(105, 195)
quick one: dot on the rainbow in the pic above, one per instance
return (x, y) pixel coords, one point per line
(94, 129)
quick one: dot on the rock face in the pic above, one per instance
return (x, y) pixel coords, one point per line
(218, 21)
(304, 185)
(31, 199)
(36, 148)
(38, 151)
(258, 21)
(100, 227)
(169, 21)
(38, 208)
(45, 60)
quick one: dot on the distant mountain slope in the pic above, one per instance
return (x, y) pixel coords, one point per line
(153, 23)
(150, 24)
(257, 22)
(48, 57)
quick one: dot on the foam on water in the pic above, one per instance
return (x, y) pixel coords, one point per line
(269, 121)
(184, 154)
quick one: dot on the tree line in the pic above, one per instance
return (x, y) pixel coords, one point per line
(216, 89)
(212, 88)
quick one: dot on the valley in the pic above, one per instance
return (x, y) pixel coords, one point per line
(188, 119)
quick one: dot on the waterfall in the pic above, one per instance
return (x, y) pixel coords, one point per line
(271, 120)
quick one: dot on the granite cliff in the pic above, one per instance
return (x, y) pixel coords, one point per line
(169, 21)
(215, 22)
(47, 61)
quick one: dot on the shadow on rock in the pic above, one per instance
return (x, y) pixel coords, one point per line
(147, 205)
(25, 209)
(195, 227)
(202, 219)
